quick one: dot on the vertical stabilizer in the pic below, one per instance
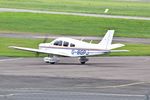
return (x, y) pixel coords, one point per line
(107, 39)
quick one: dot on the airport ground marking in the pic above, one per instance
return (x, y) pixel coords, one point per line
(123, 85)
(75, 93)
(7, 95)
(3, 60)
(74, 14)
(57, 88)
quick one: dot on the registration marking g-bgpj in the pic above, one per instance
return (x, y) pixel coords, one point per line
(79, 52)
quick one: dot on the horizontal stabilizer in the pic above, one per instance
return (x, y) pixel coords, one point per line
(119, 50)
(114, 46)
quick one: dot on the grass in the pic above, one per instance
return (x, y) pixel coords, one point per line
(5, 42)
(117, 7)
(72, 25)
(135, 49)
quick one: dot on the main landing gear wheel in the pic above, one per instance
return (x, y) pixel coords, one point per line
(83, 60)
(51, 60)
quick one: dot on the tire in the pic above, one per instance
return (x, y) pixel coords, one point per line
(82, 63)
(52, 62)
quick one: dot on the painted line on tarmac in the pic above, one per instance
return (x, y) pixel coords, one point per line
(118, 95)
(113, 94)
(64, 88)
(3, 60)
(7, 95)
(123, 85)
(75, 94)
(74, 14)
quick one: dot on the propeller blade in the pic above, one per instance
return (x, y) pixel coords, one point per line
(45, 39)
(37, 54)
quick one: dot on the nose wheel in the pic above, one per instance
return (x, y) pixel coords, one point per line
(83, 60)
(51, 60)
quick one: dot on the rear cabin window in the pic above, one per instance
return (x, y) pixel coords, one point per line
(65, 44)
(72, 45)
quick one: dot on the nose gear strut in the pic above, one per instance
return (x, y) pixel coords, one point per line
(51, 60)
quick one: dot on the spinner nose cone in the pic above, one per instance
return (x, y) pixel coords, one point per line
(42, 45)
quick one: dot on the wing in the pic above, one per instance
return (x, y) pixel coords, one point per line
(37, 50)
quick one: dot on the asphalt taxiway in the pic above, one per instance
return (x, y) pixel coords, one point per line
(102, 78)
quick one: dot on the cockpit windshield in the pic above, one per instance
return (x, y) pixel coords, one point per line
(58, 43)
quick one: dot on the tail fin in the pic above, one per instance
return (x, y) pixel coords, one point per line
(107, 40)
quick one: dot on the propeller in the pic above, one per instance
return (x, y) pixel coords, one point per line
(37, 54)
(44, 41)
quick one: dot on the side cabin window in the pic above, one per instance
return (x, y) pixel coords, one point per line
(72, 45)
(59, 43)
(65, 44)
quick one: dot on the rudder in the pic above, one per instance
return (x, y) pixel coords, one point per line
(107, 40)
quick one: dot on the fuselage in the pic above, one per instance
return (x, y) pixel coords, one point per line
(73, 48)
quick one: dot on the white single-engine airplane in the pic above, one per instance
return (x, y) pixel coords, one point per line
(69, 47)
